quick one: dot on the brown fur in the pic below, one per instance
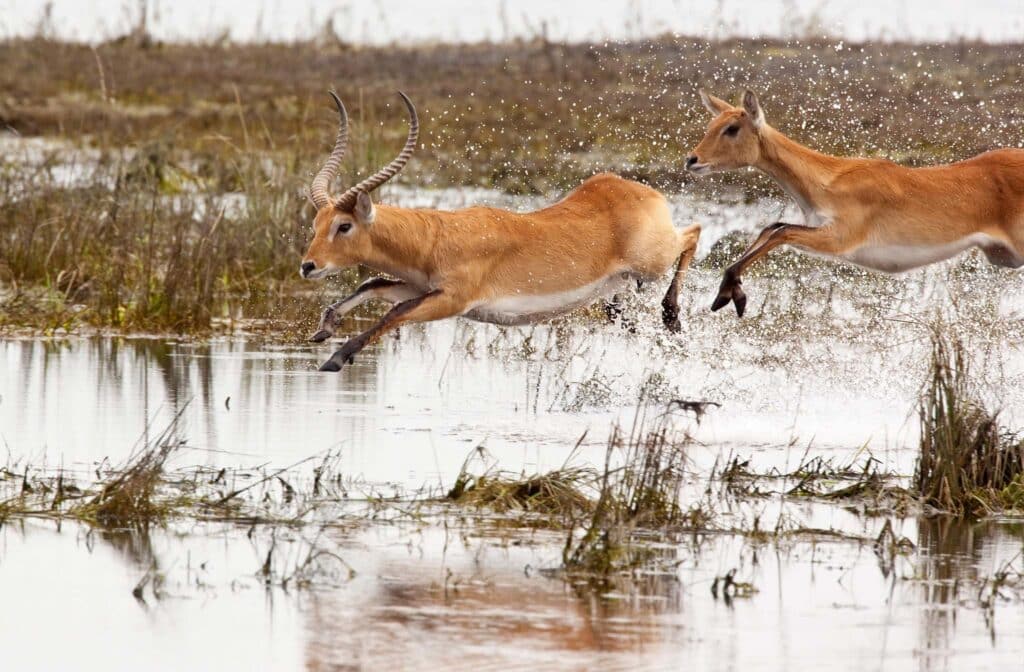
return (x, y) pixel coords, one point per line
(858, 205)
(607, 225)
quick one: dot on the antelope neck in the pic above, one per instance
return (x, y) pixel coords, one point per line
(403, 242)
(802, 172)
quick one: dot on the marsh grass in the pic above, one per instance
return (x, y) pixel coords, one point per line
(155, 238)
(638, 501)
(133, 495)
(969, 465)
(129, 243)
(187, 211)
(525, 116)
(555, 496)
(857, 480)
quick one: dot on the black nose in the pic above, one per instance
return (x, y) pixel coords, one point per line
(690, 160)
(307, 268)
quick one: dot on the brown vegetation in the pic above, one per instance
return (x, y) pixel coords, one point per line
(969, 464)
(186, 207)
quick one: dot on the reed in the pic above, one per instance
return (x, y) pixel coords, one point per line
(969, 465)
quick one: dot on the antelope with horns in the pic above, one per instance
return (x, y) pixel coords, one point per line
(487, 264)
(870, 212)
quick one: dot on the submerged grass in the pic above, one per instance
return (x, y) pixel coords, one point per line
(863, 482)
(613, 517)
(969, 464)
(144, 491)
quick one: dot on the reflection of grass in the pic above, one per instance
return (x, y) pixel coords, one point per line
(968, 463)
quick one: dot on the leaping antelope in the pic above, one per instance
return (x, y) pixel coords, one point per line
(870, 212)
(487, 264)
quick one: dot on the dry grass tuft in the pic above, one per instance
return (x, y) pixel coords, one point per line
(132, 498)
(557, 494)
(640, 498)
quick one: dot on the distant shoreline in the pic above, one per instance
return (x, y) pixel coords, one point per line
(508, 21)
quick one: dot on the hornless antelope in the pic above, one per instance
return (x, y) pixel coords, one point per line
(871, 212)
(487, 264)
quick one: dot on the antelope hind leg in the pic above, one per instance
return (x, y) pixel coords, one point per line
(670, 303)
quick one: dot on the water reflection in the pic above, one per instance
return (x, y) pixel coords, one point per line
(443, 604)
(956, 557)
(447, 594)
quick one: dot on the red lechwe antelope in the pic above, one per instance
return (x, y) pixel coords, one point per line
(870, 212)
(487, 264)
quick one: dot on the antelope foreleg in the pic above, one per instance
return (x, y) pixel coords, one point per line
(822, 240)
(433, 305)
(394, 291)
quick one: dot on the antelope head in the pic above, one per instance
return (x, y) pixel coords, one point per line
(733, 138)
(341, 228)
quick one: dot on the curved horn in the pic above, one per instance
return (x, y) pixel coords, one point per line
(348, 199)
(318, 189)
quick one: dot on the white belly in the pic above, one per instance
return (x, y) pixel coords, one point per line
(525, 308)
(899, 258)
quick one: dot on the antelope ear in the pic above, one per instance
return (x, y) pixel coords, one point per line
(753, 108)
(714, 105)
(364, 210)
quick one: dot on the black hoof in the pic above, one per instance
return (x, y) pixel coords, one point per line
(728, 291)
(670, 318)
(740, 299)
(330, 365)
(320, 336)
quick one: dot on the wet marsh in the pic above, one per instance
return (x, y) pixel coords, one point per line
(179, 488)
(795, 489)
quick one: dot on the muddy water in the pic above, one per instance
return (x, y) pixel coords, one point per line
(828, 362)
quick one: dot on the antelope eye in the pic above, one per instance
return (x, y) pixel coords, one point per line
(344, 227)
(731, 130)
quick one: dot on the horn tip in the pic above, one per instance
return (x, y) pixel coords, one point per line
(337, 102)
